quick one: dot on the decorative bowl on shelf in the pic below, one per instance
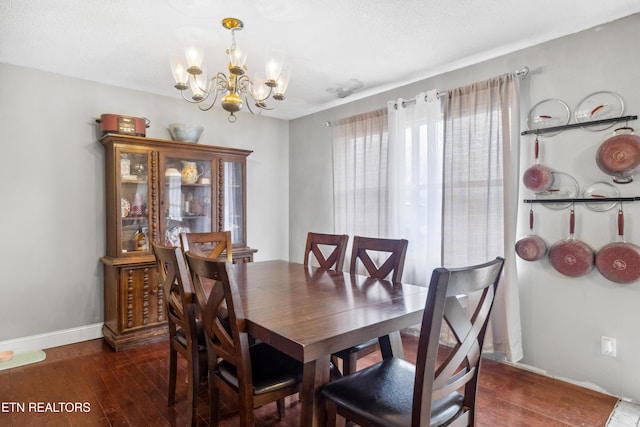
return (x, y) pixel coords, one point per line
(185, 133)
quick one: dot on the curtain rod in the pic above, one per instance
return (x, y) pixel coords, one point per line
(521, 73)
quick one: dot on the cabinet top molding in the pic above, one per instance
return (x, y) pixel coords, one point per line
(114, 138)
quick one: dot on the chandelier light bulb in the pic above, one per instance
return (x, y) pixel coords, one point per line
(198, 86)
(179, 72)
(260, 90)
(237, 57)
(194, 56)
(273, 65)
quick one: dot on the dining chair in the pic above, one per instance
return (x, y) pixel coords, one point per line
(213, 244)
(186, 336)
(335, 243)
(253, 375)
(381, 259)
(393, 266)
(395, 392)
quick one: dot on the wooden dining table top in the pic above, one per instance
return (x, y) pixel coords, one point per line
(310, 313)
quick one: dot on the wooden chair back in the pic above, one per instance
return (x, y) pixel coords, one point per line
(181, 310)
(336, 243)
(213, 244)
(227, 342)
(477, 286)
(393, 265)
(173, 276)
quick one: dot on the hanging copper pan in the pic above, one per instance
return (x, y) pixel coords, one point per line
(571, 257)
(531, 247)
(619, 261)
(537, 178)
(619, 155)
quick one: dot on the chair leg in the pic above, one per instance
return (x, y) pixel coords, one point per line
(214, 403)
(246, 416)
(173, 368)
(349, 364)
(280, 404)
(204, 369)
(333, 419)
(192, 393)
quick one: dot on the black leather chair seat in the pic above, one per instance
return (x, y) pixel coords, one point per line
(182, 339)
(383, 394)
(271, 369)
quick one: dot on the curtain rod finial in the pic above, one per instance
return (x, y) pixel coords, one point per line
(522, 72)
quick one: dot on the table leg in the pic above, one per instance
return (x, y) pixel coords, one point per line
(391, 345)
(315, 374)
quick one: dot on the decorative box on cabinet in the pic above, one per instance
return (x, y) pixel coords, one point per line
(150, 199)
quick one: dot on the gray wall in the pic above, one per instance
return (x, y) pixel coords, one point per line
(563, 319)
(53, 199)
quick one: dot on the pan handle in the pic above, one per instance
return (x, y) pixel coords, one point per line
(531, 219)
(572, 222)
(620, 223)
(626, 129)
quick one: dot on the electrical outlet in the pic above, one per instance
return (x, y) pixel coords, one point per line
(608, 346)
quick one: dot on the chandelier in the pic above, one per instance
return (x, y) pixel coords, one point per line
(264, 92)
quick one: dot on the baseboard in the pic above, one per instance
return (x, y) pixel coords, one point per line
(543, 372)
(53, 339)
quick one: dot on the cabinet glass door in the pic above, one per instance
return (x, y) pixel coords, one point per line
(187, 198)
(134, 202)
(234, 200)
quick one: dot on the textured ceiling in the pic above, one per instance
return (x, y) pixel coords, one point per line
(371, 45)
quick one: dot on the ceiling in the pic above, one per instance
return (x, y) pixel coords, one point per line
(370, 45)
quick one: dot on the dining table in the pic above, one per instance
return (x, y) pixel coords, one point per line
(310, 313)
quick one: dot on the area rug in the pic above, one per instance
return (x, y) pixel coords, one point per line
(22, 359)
(625, 414)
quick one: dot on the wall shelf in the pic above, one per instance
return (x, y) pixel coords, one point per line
(578, 125)
(583, 200)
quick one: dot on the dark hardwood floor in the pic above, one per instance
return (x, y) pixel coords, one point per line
(87, 384)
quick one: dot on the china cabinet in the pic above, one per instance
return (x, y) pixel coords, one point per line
(156, 189)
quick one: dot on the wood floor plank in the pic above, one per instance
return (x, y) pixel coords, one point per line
(129, 388)
(561, 401)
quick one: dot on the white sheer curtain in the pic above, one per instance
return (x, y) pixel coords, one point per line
(415, 182)
(481, 136)
(360, 181)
